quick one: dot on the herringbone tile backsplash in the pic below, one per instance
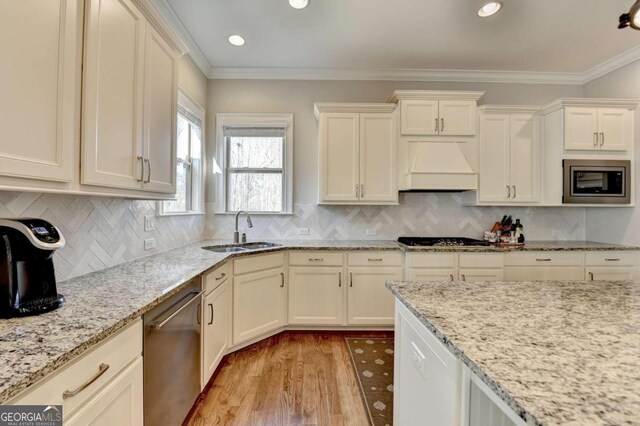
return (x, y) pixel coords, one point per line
(418, 214)
(101, 232)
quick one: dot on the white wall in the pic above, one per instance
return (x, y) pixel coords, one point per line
(418, 214)
(609, 224)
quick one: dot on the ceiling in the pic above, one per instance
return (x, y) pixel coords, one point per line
(553, 36)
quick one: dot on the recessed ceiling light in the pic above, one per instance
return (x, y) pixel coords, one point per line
(299, 4)
(489, 9)
(236, 40)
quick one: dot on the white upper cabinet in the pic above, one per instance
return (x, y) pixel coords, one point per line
(113, 95)
(430, 113)
(615, 129)
(581, 128)
(509, 155)
(357, 151)
(39, 86)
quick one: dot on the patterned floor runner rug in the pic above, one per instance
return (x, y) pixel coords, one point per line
(373, 362)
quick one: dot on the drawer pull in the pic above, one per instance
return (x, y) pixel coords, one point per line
(612, 259)
(463, 277)
(450, 277)
(68, 394)
(350, 279)
(211, 312)
(374, 259)
(543, 260)
(221, 276)
(316, 259)
(282, 279)
(339, 279)
(590, 276)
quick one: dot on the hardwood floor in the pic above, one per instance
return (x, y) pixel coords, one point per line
(293, 378)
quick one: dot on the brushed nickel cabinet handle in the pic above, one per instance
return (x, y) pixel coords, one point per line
(374, 259)
(514, 191)
(101, 370)
(543, 260)
(350, 279)
(357, 190)
(601, 138)
(436, 125)
(451, 277)
(508, 191)
(442, 125)
(463, 277)
(221, 276)
(590, 276)
(148, 163)
(316, 259)
(595, 138)
(211, 312)
(282, 279)
(612, 259)
(141, 160)
(339, 279)
(361, 190)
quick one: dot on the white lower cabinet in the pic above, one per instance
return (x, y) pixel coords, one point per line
(316, 295)
(480, 274)
(259, 298)
(118, 403)
(216, 323)
(611, 273)
(369, 301)
(433, 274)
(456, 267)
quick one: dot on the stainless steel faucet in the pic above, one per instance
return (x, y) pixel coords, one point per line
(236, 234)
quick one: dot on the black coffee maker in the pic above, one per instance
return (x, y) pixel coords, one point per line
(27, 279)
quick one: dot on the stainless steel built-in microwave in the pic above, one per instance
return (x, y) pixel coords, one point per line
(597, 182)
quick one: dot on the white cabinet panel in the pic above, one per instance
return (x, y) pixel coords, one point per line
(524, 153)
(38, 85)
(316, 295)
(611, 273)
(259, 303)
(538, 273)
(216, 320)
(457, 118)
(119, 403)
(378, 157)
(160, 111)
(113, 94)
(419, 117)
(494, 158)
(581, 128)
(369, 301)
(339, 138)
(433, 274)
(480, 274)
(614, 129)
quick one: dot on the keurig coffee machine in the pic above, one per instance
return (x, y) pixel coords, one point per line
(27, 279)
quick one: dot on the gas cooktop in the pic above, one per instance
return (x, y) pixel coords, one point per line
(441, 241)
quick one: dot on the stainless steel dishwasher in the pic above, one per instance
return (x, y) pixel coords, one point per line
(172, 357)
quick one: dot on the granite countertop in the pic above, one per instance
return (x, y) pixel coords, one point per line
(558, 353)
(101, 303)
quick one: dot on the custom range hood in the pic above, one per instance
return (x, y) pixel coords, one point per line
(437, 144)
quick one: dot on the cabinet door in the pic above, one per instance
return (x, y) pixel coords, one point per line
(369, 302)
(112, 112)
(524, 154)
(339, 140)
(216, 320)
(543, 273)
(378, 157)
(615, 129)
(494, 158)
(316, 295)
(161, 92)
(457, 118)
(38, 86)
(419, 118)
(118, 403)
(258, 303)
(480, 274)
(608, 273)
(433, 274)
(580, 128)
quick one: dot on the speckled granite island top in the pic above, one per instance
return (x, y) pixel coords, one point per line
(101, 303)
(558, 353)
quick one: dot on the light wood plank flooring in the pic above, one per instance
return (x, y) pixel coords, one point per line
(293, 378)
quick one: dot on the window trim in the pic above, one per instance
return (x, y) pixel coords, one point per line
(220, 167)
(195, 108)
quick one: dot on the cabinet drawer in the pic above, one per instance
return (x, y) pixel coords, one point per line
(481, 260)
(110, 357)
(257, 263)
(315, 258)
(544, 258)
(541, 273)
(432, 260)
(612, 258)
(218, 276)
(374, 258)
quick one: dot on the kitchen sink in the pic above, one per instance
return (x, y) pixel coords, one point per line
(241, 247)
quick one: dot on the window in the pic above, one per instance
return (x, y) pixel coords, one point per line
(189, 161)
(257, 153)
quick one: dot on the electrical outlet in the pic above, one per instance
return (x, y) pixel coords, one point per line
(303, 231)
(372, 232)
(149, 243)
(149, 223)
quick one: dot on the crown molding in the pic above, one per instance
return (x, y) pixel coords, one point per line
(321, 107)
(158, 21)
(166, 11)
(402, 95)
(630, 104)
(510, 109)
(612, 64)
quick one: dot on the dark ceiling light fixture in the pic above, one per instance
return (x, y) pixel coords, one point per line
(632, 18)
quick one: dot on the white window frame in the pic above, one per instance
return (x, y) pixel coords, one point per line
(198, 111)
(253, 120)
